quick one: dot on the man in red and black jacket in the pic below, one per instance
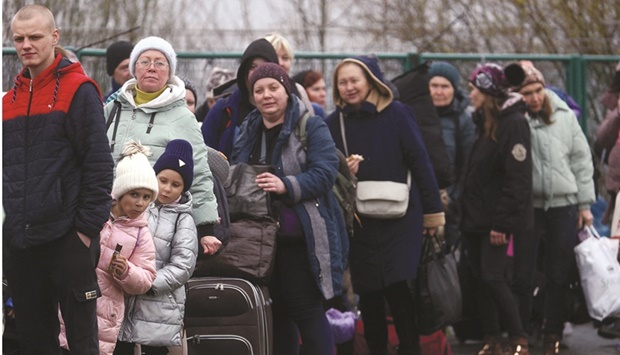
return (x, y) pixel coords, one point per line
(57, 177)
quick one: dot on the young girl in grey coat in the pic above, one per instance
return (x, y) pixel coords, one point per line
(155, 319)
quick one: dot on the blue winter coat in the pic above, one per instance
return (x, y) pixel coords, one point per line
(220, 127)
(308, 176)
(385, 251)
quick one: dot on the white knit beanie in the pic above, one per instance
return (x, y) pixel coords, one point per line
(158, 44)
(134, 171)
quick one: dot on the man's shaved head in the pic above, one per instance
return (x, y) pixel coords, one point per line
(31, 11)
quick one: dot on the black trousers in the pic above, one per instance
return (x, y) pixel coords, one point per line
(402, 307)
(58, 273)
(125, 348)
(496, 303)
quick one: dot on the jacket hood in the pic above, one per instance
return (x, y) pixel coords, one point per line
(126, 222)
(513, 101)
(59, 67)
(183, 206)
(259, 48)
(380, 95)
(295, 108)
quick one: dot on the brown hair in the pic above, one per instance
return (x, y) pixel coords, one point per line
(311, 77)
(491, 108)
(545, 111)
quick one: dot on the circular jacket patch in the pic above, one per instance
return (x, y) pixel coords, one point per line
(519, 152)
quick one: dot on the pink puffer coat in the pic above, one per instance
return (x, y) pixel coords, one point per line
(138, 248)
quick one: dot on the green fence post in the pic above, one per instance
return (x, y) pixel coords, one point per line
(412, 60)
(576, 87)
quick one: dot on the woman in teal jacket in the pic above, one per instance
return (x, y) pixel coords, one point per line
(563, 192)
(151, 109)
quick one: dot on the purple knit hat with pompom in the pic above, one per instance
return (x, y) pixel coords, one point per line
(494, 81)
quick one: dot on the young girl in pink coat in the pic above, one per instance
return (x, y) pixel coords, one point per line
(131, 270)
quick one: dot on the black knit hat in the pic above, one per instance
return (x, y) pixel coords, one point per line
(178, 156)
(116, 53)
(189, 86)
(271, 70)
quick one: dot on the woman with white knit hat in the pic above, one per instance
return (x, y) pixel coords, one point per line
(151, 108)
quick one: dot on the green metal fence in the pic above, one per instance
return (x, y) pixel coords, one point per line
(584, 77)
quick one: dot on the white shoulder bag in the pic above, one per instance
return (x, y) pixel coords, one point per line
(379, 199)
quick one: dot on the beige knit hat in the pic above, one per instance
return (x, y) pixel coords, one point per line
(532, 75)
(134, 171)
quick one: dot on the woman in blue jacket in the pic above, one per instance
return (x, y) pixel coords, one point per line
(312, 240)
(384, 252)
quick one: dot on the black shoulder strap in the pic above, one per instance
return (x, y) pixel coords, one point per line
(116, 116)
(300, 130)
(176, 223)
(150, 126)
(115, 110)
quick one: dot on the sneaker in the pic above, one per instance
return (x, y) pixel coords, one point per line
(551, 344)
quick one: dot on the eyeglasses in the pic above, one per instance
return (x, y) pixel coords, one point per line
(145, 64)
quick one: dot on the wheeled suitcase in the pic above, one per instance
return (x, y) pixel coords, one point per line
(227, 316)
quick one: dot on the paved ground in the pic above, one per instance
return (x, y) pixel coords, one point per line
(582, 341)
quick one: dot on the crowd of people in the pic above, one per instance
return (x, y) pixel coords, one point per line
(109, 200)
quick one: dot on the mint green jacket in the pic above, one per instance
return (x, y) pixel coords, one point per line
(562, 162)
(156, 123)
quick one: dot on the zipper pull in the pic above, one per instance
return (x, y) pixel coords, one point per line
(31, 80)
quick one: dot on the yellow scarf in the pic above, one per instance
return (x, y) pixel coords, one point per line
(144, 97)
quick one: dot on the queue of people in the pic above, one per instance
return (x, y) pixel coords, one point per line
(107, 207)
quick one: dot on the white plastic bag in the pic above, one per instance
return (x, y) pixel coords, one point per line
(600, 274)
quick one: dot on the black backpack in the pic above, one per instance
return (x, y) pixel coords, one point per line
(345, 186)
(413, 89)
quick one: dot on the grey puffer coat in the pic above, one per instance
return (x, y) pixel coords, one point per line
(156, 318)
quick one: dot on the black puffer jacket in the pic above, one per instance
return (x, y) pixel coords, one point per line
(57, 167)
(497, 189)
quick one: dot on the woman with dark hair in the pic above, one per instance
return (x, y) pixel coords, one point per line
(497, 199)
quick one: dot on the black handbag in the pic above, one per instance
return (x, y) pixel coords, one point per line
(245, 198)
(438, 293)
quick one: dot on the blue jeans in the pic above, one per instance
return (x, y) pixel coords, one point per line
(297, 304)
